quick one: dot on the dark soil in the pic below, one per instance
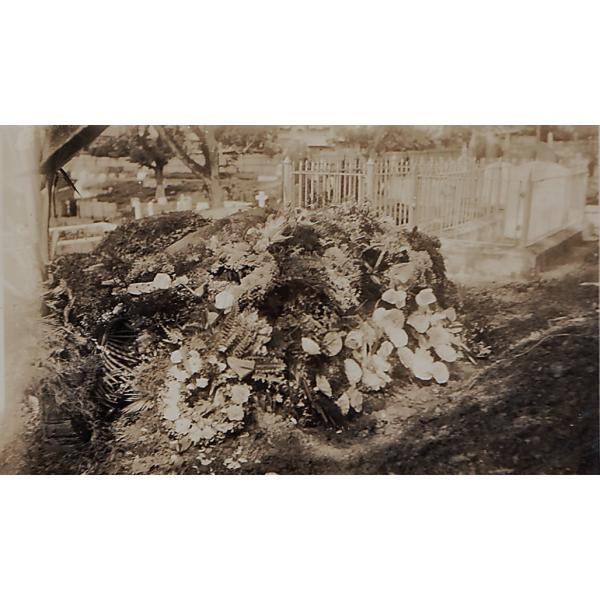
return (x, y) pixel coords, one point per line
(537, 414)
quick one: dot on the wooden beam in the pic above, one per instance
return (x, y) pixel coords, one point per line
(59, 151)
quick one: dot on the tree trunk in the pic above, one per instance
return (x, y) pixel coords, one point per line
(213, 148)
(210, 170)
(180, 152)
(160, 181)
(210, 151)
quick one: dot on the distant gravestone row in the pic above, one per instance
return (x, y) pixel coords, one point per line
(93, 209)
(184, 203)
(158, 206)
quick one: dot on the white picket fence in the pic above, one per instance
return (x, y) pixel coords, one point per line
(447, 196)
(313, 184)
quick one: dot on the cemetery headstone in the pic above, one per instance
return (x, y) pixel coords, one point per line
(137, 208)
(184, 203)
(261, 199)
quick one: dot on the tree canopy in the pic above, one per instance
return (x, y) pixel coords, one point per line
(138, 144)
(388, 138)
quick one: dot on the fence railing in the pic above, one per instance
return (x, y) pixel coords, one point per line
(448, 202)
(437, 193)
(447, 196)
(313, 184)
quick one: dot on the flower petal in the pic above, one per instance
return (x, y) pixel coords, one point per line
(310, 346)
(425, 297)
(440, 372)
(353, 371)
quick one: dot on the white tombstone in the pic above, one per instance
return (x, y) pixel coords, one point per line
(184, 203)
(150, 208)
(261, 199)
(142, 174)
(137, 208)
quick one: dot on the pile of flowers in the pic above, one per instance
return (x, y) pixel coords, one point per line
(305, 312)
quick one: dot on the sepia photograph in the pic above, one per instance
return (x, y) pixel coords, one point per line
(300, 299)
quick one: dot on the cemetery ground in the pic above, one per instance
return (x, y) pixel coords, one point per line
(528, 404)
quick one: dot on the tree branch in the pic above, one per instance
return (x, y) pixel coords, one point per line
(180, 152)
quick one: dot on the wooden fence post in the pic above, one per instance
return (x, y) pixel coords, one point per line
(371, 181)
(569, 186)
(576, 195)
(527, 211)
(413, 218)
(287, 182)
(583, 183)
